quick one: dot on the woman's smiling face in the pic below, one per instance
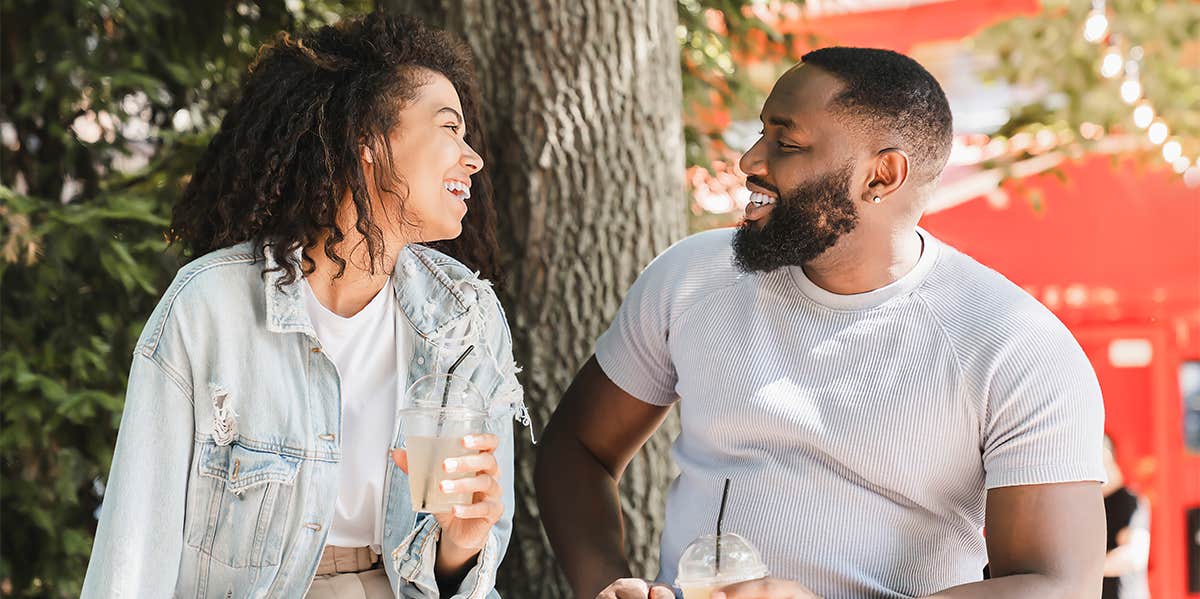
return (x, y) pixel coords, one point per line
(431, 161)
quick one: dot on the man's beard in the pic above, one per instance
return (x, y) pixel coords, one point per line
(803, 224)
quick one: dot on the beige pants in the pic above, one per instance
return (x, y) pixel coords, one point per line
(350, 573)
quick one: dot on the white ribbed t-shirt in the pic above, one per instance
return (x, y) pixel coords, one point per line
(860, 432)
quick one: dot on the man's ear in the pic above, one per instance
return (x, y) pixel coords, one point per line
(889, 174)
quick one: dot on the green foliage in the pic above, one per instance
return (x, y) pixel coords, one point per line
(1049, 50)
(105, 106)
(83, 208)
(716, 37)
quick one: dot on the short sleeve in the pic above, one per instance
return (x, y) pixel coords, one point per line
(633, 352)
(1045, 413)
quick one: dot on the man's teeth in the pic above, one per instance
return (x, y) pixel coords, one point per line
(458, 189)
(761, 199)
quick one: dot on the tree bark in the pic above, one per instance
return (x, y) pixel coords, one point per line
(582, 101)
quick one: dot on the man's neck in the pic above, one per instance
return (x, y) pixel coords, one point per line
(864, 261)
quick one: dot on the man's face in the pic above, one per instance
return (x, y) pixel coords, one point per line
(801, 175)
(804, 222)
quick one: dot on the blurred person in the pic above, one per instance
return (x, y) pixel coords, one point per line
(256, 454)
(1128, 542)
(890, 395)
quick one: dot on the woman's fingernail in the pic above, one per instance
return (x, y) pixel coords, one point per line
(448, 486)
(451, 465)
(459, 510)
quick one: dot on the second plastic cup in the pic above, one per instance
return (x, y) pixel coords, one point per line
(699, 575)
(438, 411)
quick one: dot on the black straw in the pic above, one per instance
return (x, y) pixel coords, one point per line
(720, 519)
(460, 359)
(446, 389)
(442, 416)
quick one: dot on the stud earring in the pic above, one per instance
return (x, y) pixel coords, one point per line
(876, 199)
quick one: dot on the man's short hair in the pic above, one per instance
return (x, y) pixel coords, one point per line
(892, 95)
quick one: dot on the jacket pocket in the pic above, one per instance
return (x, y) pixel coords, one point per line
(239, 508)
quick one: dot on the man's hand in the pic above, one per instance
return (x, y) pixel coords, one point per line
(594, 433)
(636, 588)
(765, 588)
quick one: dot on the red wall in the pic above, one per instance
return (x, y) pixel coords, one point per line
(1114, 251)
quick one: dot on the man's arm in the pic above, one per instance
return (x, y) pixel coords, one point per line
(594, 433)
(1043, 541)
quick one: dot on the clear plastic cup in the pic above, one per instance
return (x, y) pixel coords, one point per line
(698, 575)
(437, 412)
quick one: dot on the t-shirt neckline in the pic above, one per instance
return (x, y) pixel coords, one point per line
(877, 297)
(333, 318)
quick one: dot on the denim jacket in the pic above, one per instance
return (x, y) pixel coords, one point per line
(224, 478)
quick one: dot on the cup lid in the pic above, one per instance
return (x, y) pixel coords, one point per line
(444, 391)
(739, 561)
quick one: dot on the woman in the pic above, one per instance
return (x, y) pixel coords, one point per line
(252, 459)
(1128, 532)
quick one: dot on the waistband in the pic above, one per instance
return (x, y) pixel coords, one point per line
(345, 560)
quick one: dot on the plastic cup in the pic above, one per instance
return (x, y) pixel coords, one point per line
(698, 575)
(438, 411)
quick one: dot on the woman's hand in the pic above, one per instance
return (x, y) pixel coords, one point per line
(465, 530)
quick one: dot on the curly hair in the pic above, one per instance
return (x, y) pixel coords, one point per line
(288, 149)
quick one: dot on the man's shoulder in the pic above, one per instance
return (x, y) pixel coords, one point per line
(692, 268)
(983, 311)
(701, 256)
(963, 288)
(705, 243)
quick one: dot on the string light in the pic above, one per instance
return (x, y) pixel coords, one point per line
(1111, 65)
(1096, 24)
(1172, 151)
(1158, 132)
(1131, 88)
(1143, 115)
(1095, 29)
(1191, 177)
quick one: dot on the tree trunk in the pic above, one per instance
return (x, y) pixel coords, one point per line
(582, 102)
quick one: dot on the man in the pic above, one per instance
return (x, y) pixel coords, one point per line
(875, 396)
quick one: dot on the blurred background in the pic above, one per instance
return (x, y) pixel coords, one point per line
(1075, 172)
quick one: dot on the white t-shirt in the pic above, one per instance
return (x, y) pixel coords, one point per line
(364, 349)
(860, 432)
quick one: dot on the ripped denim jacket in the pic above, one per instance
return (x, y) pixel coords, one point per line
(224, 478)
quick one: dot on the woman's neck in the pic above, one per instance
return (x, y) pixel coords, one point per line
(357, 286)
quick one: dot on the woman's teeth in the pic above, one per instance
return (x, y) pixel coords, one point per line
(761, 199)
(462, 190)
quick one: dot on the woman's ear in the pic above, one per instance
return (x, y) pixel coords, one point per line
(366, 155)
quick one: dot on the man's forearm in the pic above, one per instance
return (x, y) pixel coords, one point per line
(581, 514)
(1020, 586)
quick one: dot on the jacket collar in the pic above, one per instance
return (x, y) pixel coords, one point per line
(431, 295)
